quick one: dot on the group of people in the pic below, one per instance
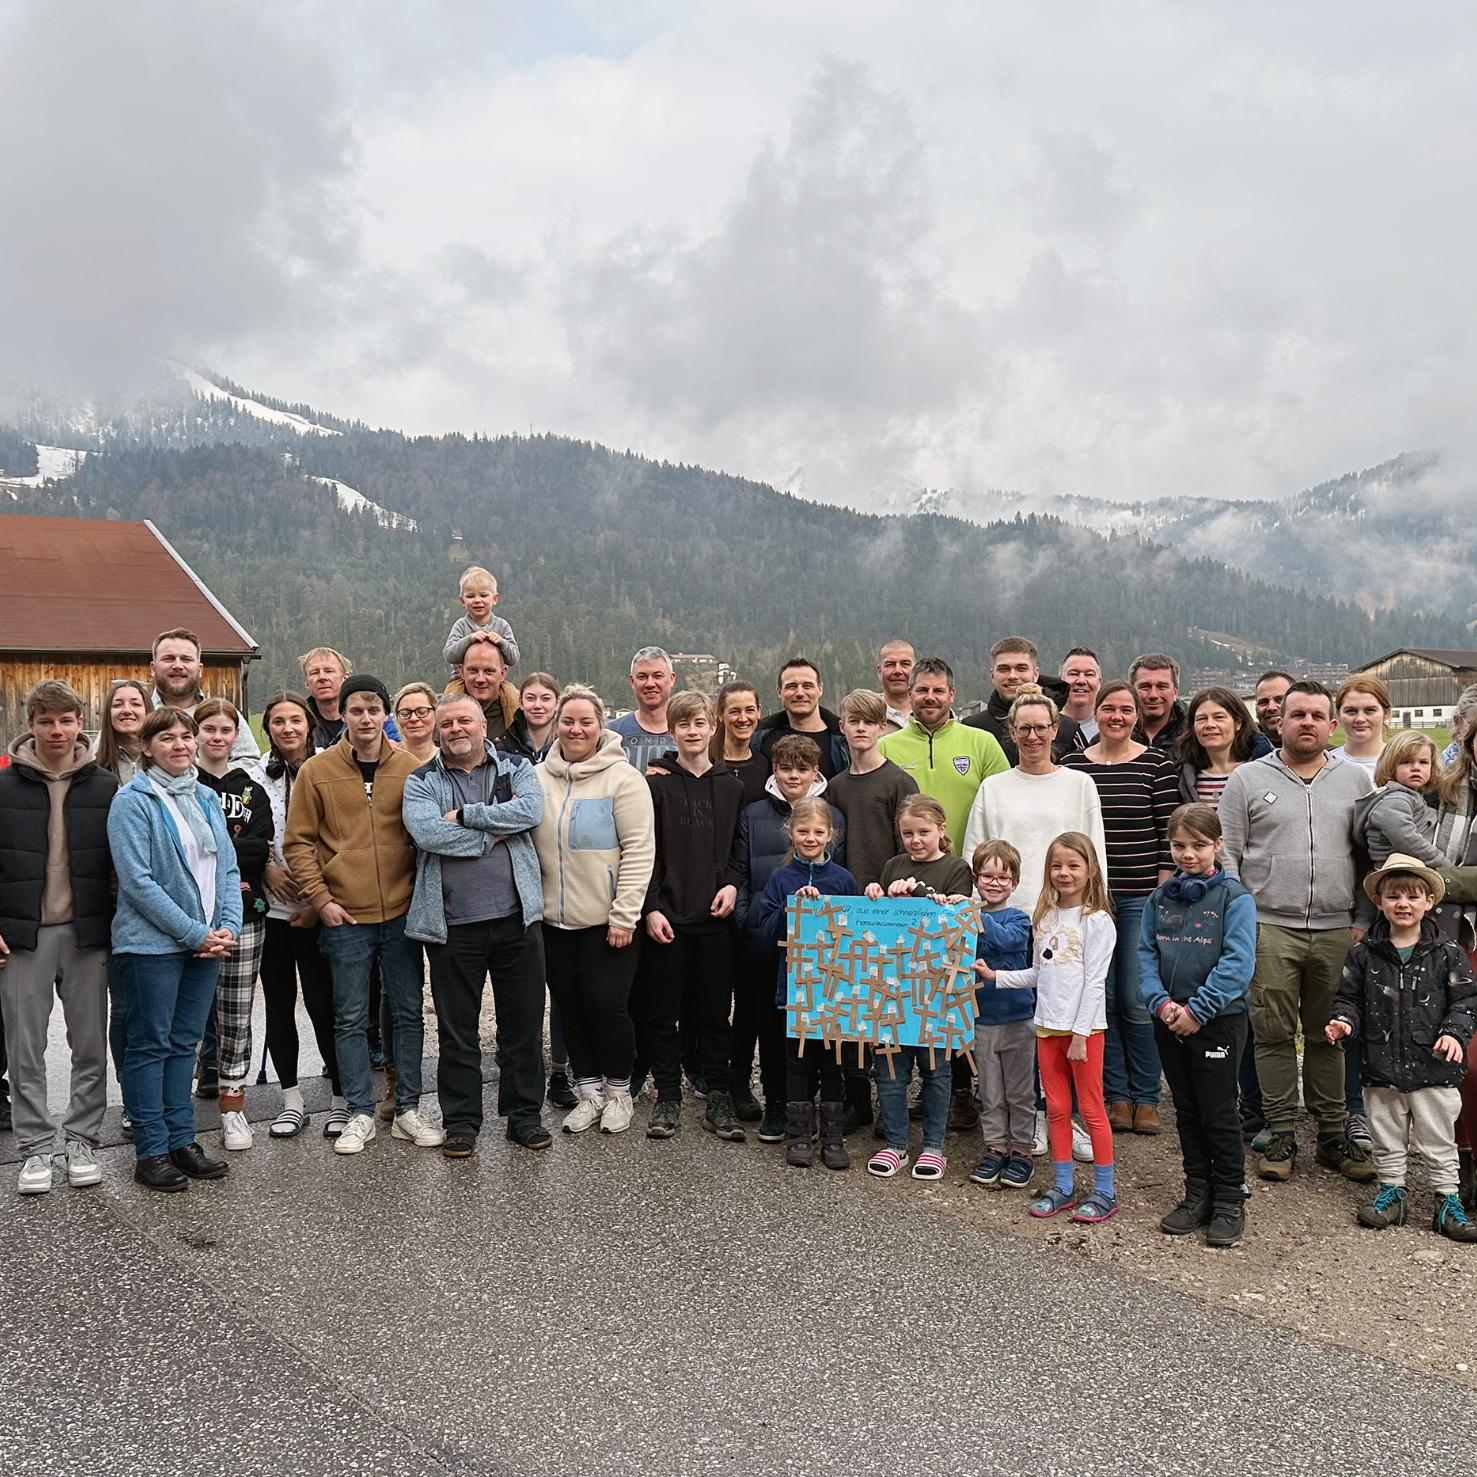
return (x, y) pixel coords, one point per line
(1171, 891)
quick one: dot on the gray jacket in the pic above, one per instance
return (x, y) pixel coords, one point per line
(1397, 818)
(1291, 844)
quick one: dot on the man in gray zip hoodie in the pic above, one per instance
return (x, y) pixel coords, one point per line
(1288, 821)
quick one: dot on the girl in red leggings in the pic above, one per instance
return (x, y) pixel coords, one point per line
(1074, 938)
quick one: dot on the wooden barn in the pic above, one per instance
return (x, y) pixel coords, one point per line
(1424, 685)
(82, 599)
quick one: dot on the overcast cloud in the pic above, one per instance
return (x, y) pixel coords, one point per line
(1133, 250)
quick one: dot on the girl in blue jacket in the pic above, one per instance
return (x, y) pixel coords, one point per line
(808, 873)
(1197, 950)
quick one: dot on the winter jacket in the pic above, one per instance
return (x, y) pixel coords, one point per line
(516, 741)
(1396, 818)
(1456, 840)
(459, 638)
(596, 840)
(159, 910)
(696, 820)
(69, 850)
(247, 808)
(1004, 942)
(1168, 737)
(518, 805)
(831, 880)
(1070, 971)
(759, 850)
(348, 848)
(1198, 951)
(950, 764)
(994, 718)
(835, 753)
(1396, 1011)
(1292, 843)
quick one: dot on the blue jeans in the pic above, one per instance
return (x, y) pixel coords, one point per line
(169, 996)
(1130, 1057)
(893, 1076)
(350, 950)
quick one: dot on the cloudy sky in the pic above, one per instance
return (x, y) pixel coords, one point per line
(1128, 250)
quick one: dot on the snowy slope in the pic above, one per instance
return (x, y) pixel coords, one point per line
(353, 501)
(207, 391)
(52, 464)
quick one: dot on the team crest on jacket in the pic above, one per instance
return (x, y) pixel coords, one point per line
(961, 763)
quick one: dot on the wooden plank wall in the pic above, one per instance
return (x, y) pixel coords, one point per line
(1417, 682)
(92, 679)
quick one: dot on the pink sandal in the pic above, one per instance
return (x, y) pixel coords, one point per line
(930, 1166)
(887, 1162)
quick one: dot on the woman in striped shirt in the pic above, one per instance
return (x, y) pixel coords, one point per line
(1138, 787)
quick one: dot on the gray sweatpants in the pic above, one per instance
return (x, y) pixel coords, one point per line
(1426, 1121)
(1005, 1058)
(29, 985)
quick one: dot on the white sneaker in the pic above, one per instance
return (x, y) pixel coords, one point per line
(35, 1176)
(1040, 1141)
(585, 1114)
(82, 1166)
(410, 1125)
(619, 1110)
(235, 1131)
(1081, 1143)
(357, 1132)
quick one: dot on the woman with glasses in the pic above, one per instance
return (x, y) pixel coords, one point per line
(414, 712)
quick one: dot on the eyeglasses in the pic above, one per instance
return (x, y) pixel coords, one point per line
(416, 713)
(1033, 728)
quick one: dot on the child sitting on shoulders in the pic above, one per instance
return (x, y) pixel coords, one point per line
(1196, 954)
(809, 872)
(1407, 994)
(1074, 940)
(477, 592)
(925, 869)
(1004, 1033)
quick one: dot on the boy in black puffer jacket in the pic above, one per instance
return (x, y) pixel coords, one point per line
(1408, 994)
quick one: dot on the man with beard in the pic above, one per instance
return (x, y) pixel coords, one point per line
(1271, 688)
(800, 692)
(894, 669)
(175, 670)
(1013, 663)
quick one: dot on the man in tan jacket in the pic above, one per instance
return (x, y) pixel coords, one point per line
(354, 861)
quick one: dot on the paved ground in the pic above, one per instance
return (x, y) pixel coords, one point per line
(615, 1304)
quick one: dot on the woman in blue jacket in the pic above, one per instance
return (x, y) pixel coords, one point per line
(178, 916)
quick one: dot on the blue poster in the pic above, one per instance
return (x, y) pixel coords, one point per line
(895, 972)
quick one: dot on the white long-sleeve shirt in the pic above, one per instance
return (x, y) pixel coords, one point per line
(1030, 811)
(1069, 972)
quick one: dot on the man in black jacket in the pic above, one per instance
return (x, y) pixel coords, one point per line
(1014, 663)
(1156, 684)
(800, 692)
(56, 914)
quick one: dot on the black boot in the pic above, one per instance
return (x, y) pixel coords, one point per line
(1191, 1213)
(719, 1119)
(833, 1140)
(1467, 1180)
(1227, 1221)
(158, 1173)
(799, 1134)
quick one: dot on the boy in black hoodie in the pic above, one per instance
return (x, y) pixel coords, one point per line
(694, 886)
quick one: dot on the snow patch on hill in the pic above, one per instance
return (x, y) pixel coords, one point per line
(52, 464)
(208, 391)
(353, 501)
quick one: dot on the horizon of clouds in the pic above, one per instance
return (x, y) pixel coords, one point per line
(1147, 251)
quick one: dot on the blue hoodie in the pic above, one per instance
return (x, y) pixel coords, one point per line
(825, 875)
(1004, 943)
(1198, 951)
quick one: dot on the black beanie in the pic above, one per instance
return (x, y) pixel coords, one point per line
(363, 682)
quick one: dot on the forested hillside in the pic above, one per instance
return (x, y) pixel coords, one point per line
(599, 552)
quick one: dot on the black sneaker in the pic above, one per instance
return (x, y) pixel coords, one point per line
(157, 1172)
(772, 1124)
(1251, 1125)
(208, 1084)
(746, 1107)
(666, 1114)
(560, 1093)
(718, 1118)
(1227, 1224)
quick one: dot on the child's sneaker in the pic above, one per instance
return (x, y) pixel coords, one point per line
(1081, 1143)
(1040, 1141)
(772, 1123)
(1389, 1208)
(1017, 1172)
(990, 1168)
(887, 1162)
(1451, 1220)
(1096, 1208)
(665, 1115)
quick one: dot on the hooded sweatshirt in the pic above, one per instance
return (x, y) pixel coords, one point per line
(1290, 842)
(696, 818)
(596, 841)
(247, 807)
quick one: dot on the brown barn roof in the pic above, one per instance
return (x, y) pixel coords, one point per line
(1453, 659)
(91, 584)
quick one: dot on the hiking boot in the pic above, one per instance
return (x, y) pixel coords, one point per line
(1467, 1180)
(386, 1110)
(560, 1093)
(1338, 1151)
(833, 1140)
(799, 1132)
(1146, 1119)
(772, 1124)
(1451, 1220)
(856, 1115)
(746, 1107)
(964, 1113)
(1227, 1223)
(1120, 1117)
(1389, 1208)
(719, 1119)
(1193, 1211)
(666, 1114)
(1278, 1157)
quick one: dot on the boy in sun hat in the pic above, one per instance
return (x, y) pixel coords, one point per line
(1408, 994)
